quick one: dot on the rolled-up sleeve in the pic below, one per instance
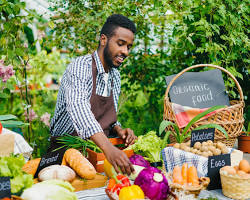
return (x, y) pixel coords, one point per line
(77, 94)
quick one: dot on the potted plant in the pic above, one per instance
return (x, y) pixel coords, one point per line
(181, 136)
(244, 140)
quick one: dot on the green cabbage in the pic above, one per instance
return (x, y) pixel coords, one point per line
(50, 190)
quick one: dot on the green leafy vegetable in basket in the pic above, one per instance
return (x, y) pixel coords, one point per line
(76, 142)
(149, 146)
(181, 136)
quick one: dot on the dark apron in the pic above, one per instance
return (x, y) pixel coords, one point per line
(103, 109)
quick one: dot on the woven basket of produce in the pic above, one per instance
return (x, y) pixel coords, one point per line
(230, 118)
(189, 189)
(235, 182)
(186, 179)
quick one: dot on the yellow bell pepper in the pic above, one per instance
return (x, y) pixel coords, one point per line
(131, 193)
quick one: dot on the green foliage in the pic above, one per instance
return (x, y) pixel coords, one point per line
(213, 32)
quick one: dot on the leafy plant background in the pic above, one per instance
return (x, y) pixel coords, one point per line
(171, 36)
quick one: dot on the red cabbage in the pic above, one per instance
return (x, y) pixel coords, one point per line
(139, 160)
(153, 183)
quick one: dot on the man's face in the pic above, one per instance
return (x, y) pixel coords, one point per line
(118, 47)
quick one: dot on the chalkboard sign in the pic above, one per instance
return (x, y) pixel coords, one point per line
(5, 189)
(202, 135)
(51, 158)
(198, 89)
(214, 165)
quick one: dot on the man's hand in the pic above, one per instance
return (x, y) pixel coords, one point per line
(126, 134)
(119, 159)
(115, 156)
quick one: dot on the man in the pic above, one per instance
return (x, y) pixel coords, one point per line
(88, 96)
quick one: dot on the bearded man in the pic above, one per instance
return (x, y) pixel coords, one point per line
(88, 96)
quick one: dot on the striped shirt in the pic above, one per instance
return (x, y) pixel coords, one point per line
(73, 109)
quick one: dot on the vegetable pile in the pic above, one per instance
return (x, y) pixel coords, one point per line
(206, 149)
(12, 166)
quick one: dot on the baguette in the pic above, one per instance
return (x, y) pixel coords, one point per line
(80, 164)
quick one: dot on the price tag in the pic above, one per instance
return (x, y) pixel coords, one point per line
(202, 135)
(52, 158)
(5, 189)
(214, 165)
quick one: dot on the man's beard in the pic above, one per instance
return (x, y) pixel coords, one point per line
(108, 57)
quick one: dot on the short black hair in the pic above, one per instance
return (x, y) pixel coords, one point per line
(114, 21)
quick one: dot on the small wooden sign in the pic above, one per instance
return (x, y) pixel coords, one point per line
(202, 135)
(198, 89)
(5, 188)
(214, 165)
(51, 158)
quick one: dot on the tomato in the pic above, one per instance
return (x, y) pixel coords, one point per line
(1, 128)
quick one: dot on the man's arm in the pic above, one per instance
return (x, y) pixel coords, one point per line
(115, 156)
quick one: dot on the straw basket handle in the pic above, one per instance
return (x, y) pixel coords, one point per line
(205, 65)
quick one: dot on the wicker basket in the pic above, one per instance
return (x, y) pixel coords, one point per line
(230, 118)
(235, 187)
(188, 189)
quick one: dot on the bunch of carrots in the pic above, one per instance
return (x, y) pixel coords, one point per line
(185, 175)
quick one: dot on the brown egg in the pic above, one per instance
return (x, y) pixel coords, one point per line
(241, 173)
(244, 166)
(229, 170)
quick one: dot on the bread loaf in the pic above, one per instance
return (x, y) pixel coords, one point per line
(61, 172)
(80, 164)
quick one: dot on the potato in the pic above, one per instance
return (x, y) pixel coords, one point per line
(204, 143)
(194, 150)
(220, 145)
(204, 148)
(211, 148)
(210, 153)
(224, 150)
(187, 149)
(188, 142)
(205, 154)
(210, 142)
(197, 145)
(217, 152)
(176, 145)
(182, 146)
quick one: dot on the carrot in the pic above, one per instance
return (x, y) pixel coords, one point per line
(80, 164)
(177, 178)
(192, 176)
(184, 171)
